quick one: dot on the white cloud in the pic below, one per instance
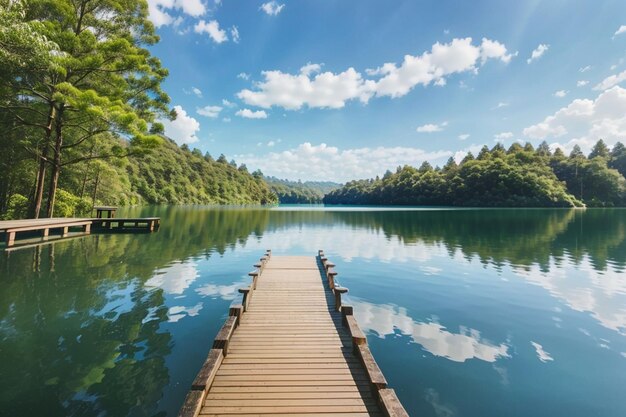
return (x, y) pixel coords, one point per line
(496, 50)
(431, 127)
(160, 11)
(325, 90)
(212, 28)
(183, 129)
(312, 88)
(622, 29)
(197, 91)
(584, 121)
(458, 56)
(582, 83)
(560, 93)
(501, 105)
(473, 148)
(272, 8)
(249, 114)
(210, 111)
(611, 81)
(243, 76)
(226, 120)
(335, 164)
(464, 136)
(584, 69)
(538, 52)
(227, 103)
(234, 34)
(503, 135)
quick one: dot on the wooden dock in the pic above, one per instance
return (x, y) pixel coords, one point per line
(148, 224)
(10, 228)
(291, 348)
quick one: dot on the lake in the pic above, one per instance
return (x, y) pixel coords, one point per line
(468, 312)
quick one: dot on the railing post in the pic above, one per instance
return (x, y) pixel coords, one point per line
(246, 297)
(331, 274)
(254, 274)
(338, 291)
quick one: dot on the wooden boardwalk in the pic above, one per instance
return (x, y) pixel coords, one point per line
(10, 228)
(291, 348)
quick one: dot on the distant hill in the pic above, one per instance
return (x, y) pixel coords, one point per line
(297, 192)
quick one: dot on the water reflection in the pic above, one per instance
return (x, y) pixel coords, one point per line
(583, 288)
(175, 278)
(467, 344)
(117, 325)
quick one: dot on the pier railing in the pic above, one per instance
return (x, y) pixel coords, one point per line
(387, 397)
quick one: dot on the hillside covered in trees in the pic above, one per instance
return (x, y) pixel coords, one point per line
(298, 192)
(518, 177)
(81, 107)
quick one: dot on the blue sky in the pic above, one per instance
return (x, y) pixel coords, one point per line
(336, 89)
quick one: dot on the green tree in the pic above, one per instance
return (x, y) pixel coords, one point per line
(599, 150)
(618, 158)
(102, 80)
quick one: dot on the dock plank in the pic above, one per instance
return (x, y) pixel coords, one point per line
(289, 353)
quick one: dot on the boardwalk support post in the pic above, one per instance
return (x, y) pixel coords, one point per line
(338, 291)
(246, 296)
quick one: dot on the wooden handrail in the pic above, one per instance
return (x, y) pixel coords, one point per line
(387, 397)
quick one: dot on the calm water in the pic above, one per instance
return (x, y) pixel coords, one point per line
(468, 312)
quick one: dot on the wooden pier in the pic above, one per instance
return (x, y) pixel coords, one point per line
(11, 228)
(291, 348)
(122, 224)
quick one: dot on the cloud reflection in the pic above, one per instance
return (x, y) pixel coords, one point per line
(176, 278)
(542, 355)
(433, 337)
(582, 288)
(225, 292)
(176, 313)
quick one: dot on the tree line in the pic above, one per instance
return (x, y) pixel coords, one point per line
(520, 176)
(80, 101)
(298, 192)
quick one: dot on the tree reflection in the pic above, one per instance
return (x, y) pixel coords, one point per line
(81, 332)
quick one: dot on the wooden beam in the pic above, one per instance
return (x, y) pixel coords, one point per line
(192, 405)
(209, 369)
(374, 374)
(391, 404)
(358, 338)
(223, 336)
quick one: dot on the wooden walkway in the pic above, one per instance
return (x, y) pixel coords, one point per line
(10, 228)
(291, 348)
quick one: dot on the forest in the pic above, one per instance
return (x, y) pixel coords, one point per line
(80, 109)
(520, 176)
(298, 192)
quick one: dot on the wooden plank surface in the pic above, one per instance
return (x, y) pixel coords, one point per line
(10, 224)
(290, 354)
